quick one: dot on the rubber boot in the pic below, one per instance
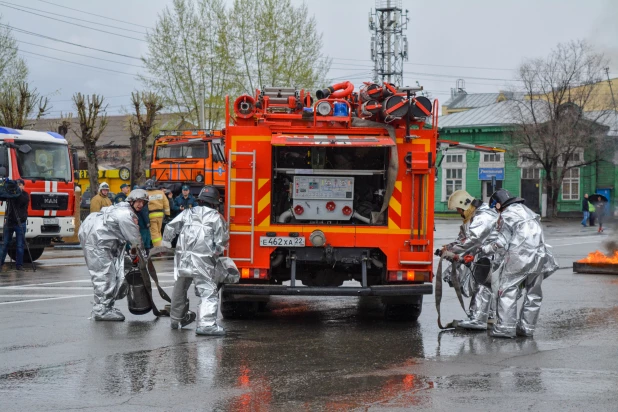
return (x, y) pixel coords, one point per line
(479, 310)
(214, 330)
(189, 318)
(112, 314)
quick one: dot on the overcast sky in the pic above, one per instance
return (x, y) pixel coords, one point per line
(480, 41)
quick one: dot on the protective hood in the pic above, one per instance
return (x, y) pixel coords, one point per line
(520, 244)
(202, 238)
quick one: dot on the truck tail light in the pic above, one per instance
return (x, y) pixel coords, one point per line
(403, 276)
(330, 206)
(298, 210)
(347, 210)
(254, 273)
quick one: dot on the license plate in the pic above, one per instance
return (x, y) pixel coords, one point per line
(282, 241)
(50, 221)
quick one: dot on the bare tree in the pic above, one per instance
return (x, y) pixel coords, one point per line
(20, 104)
(146, 105)
(554, 122)
(90, 110)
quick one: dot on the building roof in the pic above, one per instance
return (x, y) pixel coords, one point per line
(496, 114)
(462, 100)
(607, 118)
(116, 134)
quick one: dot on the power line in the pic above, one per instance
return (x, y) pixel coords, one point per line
(82, 20)
(82, 64)
(74, 24)
(66, 42)
(93, 14)
(79, 54)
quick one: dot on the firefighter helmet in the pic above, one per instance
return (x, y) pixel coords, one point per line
(209, 194)
(137, 194)
(103, 186)
(460, 199)
(503, 198)
(150, 184)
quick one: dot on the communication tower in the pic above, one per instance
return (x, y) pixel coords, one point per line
(389, 46)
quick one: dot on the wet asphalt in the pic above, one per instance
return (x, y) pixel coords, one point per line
(308, 353)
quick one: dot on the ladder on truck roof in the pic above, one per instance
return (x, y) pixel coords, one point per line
(230, 206)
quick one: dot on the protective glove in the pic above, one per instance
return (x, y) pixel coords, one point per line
(165, 244)
(488, 249)
(468, 259)
(453, 257)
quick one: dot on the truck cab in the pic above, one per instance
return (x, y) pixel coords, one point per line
(192, 157)
(43, 161)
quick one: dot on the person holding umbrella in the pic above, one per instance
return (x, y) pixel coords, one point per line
(599, 201)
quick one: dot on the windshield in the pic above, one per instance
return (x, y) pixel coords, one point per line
(46, 161)
(186, 151)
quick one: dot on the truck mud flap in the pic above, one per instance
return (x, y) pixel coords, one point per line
(381, 290)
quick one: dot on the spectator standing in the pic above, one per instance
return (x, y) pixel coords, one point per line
(585, 210)
(15, 218)
(101, 199)
(593, 214)
(184, 201)
(124, 192)
(158, 207)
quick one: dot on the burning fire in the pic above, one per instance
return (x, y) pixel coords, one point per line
(600, 257)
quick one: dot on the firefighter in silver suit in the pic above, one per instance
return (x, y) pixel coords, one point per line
(524, 260)
(103, 237)
(478, 229)
(202, 239)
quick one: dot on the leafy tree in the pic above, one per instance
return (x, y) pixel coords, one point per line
(276, 44)
(146, 105)
(13, 69)
(187, 50)
(555, 117)
(230, 51)
(90, 111)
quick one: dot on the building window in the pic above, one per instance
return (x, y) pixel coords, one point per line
(531, 173)
(570, 185)
(492, 157)
(573, 157)
(454, 180)
(453, 173)
(454, 158)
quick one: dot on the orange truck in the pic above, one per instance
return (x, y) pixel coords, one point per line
(192, 157)
(331, 195)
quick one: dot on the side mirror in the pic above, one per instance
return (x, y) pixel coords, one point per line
(75, 160)
(2, 171)
(25, 148)
(75, 174)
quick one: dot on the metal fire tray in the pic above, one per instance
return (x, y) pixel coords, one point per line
(596, 268)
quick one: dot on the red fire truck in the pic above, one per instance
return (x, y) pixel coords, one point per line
(43, 160)
(329, 189)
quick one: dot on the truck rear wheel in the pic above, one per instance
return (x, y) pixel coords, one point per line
(239, 309)
(404, 311)
(36, 253)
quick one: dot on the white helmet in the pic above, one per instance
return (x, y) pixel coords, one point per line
(460, 199)
(103, 186)
(137, 194)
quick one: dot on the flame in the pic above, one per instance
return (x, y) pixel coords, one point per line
(600, 257)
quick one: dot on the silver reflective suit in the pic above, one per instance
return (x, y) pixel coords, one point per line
(103, 237)
(524, 260)
(202, 238)
(480, 230)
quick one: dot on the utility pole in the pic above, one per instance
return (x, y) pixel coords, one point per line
(201, 116)
(389, 46)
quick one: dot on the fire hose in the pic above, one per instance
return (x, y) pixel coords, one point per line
(454, 278)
